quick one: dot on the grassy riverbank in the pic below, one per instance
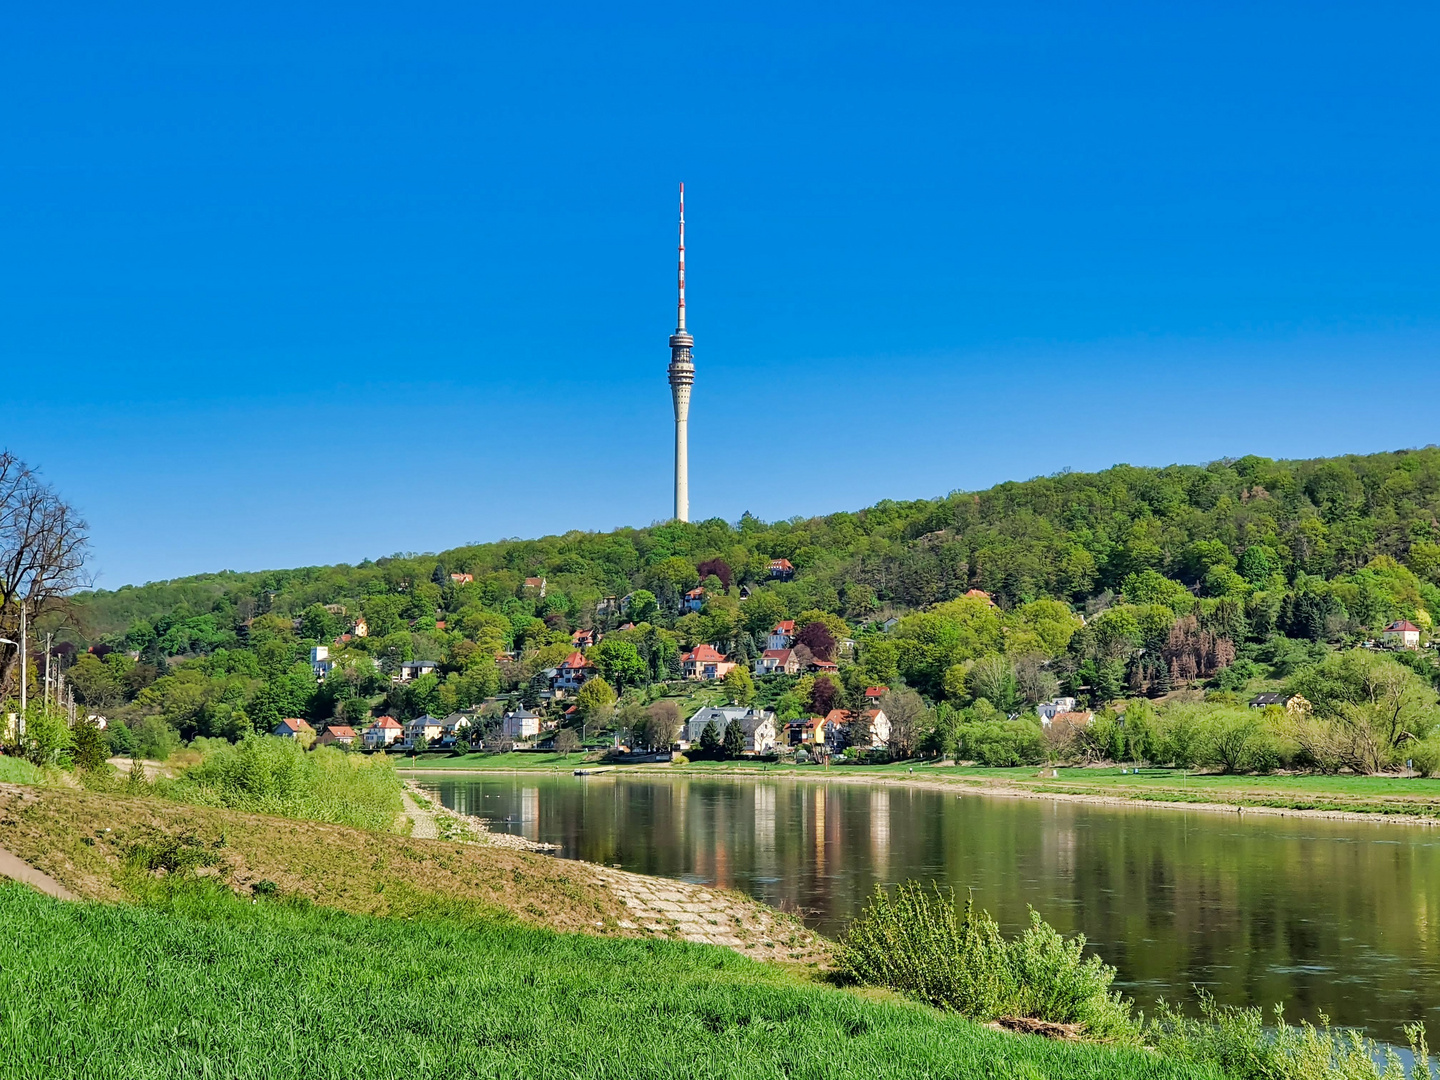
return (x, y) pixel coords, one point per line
(203, 985)
(1381, 795)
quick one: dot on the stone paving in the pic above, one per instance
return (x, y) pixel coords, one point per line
(676, 909)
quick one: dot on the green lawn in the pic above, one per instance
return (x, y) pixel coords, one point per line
(213, 987)
(527, 761)
(15, 770)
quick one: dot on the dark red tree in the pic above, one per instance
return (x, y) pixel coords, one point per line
(719, 567)
(817, 638)
(822, 696)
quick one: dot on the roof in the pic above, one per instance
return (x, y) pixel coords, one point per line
(824, 665)
(340, 731)
(1071, 717)
(421, 663)
(294, 723)
(534, 582)
(576, 660)
(1268, 699)
(386, 722)
(786, 626)
(1402, 626)
(696, 593)
(781, 564)
(875, 691)
(783, 655)
(704, 654)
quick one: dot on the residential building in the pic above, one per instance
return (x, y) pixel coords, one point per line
(1260, 701)
(320, 661)
(818, 734)
(535, 585)
(572, 672)
(338, 610)
(694, 599)
(462, 579)
(382, 733)
(781, 570)
(1403, 633)
(584, 639)
(818, 665)
(453, 728)
(423, 727)
(979, 594)
(292, 728)
(342, 734)
(413, 669)
(758, 726)
(874, 693)
(782, 661)
(783, 636)
(889, 624)
(706, 663)
(878, 727)
(1083, 718)
(361, 629)
(1046, 710)
(521, 724)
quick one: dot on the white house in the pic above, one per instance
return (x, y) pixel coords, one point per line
(572, 672)
(320, 661)
(413, 669)
(292, 728)
(777, 660)
(382, 733)
(1402, 633)
(783, 636)
(838, 720)
(758, 726)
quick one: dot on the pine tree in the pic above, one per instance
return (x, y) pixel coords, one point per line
(734, 741)
(710, 742)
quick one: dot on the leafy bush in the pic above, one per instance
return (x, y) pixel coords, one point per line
(1001, 743)
(1236, 1042)
(173, 854)
(271, 775)
(916, 941)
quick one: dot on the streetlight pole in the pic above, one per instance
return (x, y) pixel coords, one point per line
(24, 662)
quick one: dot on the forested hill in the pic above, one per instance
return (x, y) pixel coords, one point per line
(1127, 581)
(1070, 537)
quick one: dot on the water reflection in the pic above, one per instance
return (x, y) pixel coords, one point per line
(1327, 916)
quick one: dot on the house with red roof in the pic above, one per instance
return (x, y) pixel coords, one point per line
(572, 672)
(695, 599)
(1402, 633)
(875, 693)
(781, 570)
(462, 579)
(783, 636)
(584, 639)
(382, 733)
(706, 663)
(337, 733)
(781, 661)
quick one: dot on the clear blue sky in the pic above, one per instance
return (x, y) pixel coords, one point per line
(301, 284)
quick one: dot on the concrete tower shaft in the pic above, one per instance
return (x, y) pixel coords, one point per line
(682, 378)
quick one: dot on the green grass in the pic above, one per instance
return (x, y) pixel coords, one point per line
(205, 986)
(15, 770)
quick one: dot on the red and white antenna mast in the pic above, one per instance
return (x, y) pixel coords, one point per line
(680, 319)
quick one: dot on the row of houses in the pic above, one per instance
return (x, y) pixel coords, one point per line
(827, 734)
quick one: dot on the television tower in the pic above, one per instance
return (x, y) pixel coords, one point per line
(682, 377)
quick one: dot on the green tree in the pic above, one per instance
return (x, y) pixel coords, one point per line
(710, 742)
(595, 701)
(739, 686)
(620, 663)
(733, 742)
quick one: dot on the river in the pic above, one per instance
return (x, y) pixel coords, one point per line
(1333, 917)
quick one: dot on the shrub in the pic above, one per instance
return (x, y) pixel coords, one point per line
(1002, 743)
(916, 941)
(1236, 1042)
(173, 854)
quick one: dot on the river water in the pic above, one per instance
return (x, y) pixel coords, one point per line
(1333, 917)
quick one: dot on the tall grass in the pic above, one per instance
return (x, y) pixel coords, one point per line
(14, 770)
(207, 986)
(916, 941)
(268, 775)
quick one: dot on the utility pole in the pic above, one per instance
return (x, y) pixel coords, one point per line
(47, 670)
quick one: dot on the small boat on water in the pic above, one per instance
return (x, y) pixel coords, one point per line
(594, 770)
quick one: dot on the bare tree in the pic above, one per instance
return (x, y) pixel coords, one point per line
(43, 542)
(908, 720)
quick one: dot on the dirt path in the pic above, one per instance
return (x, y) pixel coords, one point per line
(21, 871)
(422, 825)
